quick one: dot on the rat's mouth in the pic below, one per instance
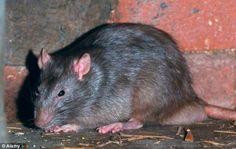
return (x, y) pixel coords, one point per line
(43, 119)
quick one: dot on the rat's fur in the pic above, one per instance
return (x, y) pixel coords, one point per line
(136, 71)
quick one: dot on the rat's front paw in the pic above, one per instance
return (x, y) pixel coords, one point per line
(64, 128)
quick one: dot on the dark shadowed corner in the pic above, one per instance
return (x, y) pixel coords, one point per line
(24, 101)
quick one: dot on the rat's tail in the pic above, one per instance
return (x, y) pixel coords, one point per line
(220, 112)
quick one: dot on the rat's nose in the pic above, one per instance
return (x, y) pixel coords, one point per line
(43, 117)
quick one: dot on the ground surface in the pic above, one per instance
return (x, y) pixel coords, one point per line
(212, 134)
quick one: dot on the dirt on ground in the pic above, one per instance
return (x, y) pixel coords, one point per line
(212, 134)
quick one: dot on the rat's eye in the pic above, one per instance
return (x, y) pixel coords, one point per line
(61, 93)
(37, 92)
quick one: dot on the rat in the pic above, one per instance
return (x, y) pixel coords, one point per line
(116, 77)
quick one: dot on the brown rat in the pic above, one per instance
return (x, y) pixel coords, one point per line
(116, 77)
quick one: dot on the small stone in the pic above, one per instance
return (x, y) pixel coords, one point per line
(189, 136)
(19, 133)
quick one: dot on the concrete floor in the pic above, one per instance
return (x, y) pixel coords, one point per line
(210, 135)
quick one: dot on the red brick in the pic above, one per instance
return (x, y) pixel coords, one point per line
(13, 77)
(196, 25)
(214, 77)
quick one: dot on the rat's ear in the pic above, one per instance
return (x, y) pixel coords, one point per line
(43, 59)
(82, 65)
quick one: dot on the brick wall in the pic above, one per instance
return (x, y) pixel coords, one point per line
(205, 31)
(197, 25)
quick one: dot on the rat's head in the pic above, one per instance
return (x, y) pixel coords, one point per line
(61, 85)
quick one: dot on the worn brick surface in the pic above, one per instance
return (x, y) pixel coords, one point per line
(49, 24)
(213, 76)
(13, 77)
(197, 25)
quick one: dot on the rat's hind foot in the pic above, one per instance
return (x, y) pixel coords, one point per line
(64, 128)
(119, 126)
